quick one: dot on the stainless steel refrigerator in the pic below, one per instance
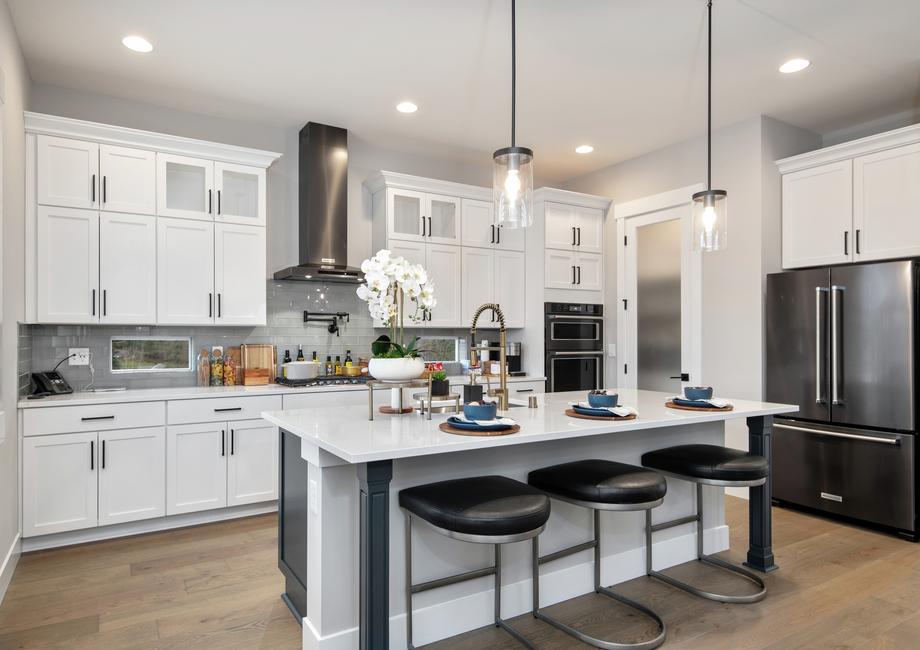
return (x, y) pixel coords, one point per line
(842, 343)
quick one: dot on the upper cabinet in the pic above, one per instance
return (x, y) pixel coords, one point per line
(418, 216)
(102, 239)
(574, 227)
(853, 202)
(480, 228)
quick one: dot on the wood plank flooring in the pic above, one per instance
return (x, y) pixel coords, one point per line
(217, 586)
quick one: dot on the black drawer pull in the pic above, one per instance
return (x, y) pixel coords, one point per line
(235, 408)
(98, 417)
(524, 390)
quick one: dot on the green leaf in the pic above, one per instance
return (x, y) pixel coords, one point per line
(381, 346)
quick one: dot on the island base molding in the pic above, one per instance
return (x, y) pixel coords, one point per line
(456, 616)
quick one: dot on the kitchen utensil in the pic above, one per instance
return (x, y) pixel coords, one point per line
(258, 363)
(300, 370)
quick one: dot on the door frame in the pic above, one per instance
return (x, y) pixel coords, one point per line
(691, 273)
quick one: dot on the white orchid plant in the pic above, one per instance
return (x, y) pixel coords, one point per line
(388, 283)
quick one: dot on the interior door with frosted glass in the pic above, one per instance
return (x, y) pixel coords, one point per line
(240, 191)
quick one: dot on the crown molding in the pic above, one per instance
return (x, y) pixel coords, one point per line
(554, 195)
(398, 180)
(847, 150)
(67, 127)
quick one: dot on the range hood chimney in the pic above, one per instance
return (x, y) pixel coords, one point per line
(323, 198)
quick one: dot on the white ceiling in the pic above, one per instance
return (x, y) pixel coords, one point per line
(624, 75)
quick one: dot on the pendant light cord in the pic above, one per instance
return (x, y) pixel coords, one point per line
(708, 102)
(513, 71)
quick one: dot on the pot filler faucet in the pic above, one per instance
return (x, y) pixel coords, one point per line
(502, 392)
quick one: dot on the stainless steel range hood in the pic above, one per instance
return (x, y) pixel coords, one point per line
(323, 210)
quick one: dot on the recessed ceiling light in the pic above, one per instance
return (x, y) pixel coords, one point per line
(584, 148)
(406, 107)
(137, 43)
(794, 65)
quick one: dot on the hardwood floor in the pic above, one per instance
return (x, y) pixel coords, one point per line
(217, 586)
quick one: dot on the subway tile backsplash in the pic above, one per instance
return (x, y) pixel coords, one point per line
(42, 346)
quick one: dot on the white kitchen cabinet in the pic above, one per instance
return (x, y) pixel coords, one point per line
(571, 227)
(128, 179)
(132, 475)
(240, 194)
(479, 228)
(59, 487)
(478, 284)
(239, 274)
(67, 265)
(185, 187)
(573, 270)
(818, 215)
(404, 212)
(196, 467)
(185, 272)
(252, 466)
(442, 214)
(510, 281)
(127, 268)
(886, 204)
(67, 172)
(443, 265)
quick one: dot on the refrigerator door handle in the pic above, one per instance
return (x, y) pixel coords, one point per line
(835, 346)
(819, 345)
(840, 434)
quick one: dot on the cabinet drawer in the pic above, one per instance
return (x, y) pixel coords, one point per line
(524, 388)
(221, 409)
(99, 417)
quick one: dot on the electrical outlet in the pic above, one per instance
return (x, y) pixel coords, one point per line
(80, 356)
(612, 350)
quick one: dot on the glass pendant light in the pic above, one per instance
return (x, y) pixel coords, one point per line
(512, 177)
(710, 207)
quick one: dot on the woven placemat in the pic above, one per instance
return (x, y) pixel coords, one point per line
(447, 428)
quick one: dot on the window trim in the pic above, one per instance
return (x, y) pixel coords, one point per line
(188, 339)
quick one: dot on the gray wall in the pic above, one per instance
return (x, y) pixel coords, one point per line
(15, 95)
(733, 279)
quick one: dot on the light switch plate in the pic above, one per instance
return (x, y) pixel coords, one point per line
(80, 356)
(612, 350)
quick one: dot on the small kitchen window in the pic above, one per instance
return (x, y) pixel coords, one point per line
(439, 348)
(151, 354)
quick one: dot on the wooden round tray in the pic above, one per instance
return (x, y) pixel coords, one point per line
(711, 409)
(446, 428)
(389, 410)
(615, 418)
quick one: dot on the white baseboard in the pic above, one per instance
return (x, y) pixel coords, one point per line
(453, 617)
(9, 565)
(145, 526)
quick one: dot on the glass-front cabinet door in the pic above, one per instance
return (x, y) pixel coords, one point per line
(405, 218)
(240, 191)
(185, 187)
(442, 215)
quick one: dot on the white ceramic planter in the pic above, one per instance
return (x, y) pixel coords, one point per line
(396, 370)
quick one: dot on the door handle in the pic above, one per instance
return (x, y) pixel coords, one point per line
(840, 434)
(684, 376)
(835, 346)
(819, 344)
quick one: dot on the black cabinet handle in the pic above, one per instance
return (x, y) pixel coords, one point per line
(103, 454)
(223, 442)
(105, 307)
(499, 235)
(579, 274)
(210, 207)
(92, 454)
(857, 241)
(210, 305)
(225, 410)
(423, 226)
(103, 189)
(97, 418)
(218, 201)
(94, 302)
(429, 226)
(573, 235)
(579, 235)
(492, 227)
(93, 187)
(232, 441)
(218, 305)
(524, 390)
(846, 242)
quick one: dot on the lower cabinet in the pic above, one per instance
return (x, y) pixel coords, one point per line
(220, 464)
(81, 480)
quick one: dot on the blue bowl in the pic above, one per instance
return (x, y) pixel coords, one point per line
(698, 392)
(485, 411)
(599, 400)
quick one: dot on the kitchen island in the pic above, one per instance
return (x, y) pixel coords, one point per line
(340, 476)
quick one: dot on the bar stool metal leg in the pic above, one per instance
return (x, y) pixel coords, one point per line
(604, 591)
(702, 557)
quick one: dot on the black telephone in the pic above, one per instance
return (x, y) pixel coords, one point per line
(50, 382)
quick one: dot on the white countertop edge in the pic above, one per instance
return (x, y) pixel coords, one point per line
(574, 428)
(202, 392)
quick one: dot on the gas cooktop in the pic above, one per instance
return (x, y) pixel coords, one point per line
(326, 380)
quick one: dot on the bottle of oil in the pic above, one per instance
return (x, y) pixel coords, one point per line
(300, 353)
(329, 369)
(338, 364)
(348, 360)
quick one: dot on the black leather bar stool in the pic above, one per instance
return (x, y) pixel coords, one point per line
(483, 510)
(705, 465)
(598, 485)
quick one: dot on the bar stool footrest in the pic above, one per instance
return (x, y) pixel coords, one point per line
(722, 598)
(517, 636)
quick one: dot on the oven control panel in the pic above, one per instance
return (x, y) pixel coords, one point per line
(575, 308)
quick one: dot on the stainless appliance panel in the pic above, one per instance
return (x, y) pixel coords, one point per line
(574, 371)
(872, 374)
(797, 332)
(567, 330)
(658, 305)
(867, 475)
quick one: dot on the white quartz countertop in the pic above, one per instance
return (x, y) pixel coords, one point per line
(347, 433)
(195, 392)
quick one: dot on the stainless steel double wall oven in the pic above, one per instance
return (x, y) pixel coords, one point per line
(574, 346)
